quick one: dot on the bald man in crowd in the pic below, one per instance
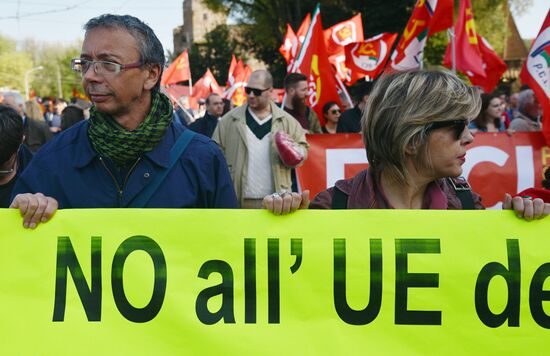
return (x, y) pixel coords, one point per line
(261, 143)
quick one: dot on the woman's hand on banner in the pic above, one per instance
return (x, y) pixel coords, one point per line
(526, 207)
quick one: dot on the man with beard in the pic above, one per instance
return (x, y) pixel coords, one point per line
(131, 152)
(295, 103)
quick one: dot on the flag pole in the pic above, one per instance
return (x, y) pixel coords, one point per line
(451, 32)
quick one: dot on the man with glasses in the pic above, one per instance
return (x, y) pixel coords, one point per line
(14, 156)
(295, 102)
(130, 153)
(261, 143)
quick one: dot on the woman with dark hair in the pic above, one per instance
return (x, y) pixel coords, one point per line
(415, 129)
(490, 115)
(331, 113)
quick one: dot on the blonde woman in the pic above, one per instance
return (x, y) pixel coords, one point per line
(416, 132)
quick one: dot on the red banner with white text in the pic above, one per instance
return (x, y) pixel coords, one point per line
(495, 163)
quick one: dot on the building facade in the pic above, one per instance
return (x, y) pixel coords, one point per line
(198, 20)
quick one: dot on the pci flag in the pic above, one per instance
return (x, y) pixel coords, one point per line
(369, 57)
(428, 17)
(536, 73)
(178, 71)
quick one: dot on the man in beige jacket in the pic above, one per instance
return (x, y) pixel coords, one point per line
(246, 136)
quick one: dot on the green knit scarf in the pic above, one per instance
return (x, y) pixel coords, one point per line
(110, 139)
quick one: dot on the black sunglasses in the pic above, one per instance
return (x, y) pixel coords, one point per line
(335, 111)
(458, 126)
(257, 92)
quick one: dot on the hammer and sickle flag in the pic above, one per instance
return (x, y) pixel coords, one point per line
(178, 71)
(369, 57)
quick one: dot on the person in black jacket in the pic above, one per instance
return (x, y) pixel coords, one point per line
(350, 121)
(214, 110)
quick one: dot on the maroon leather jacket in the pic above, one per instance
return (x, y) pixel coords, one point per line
(365, 192)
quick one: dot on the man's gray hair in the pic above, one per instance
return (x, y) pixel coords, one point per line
(149, 47)
(525, 97)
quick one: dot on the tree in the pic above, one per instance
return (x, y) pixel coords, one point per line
(56, 61)
(215, 53)
(13, 65)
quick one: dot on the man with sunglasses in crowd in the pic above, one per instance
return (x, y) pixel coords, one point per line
(261, 143)
(130, 153)
(296, 92)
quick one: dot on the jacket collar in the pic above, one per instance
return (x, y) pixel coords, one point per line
(240, 112)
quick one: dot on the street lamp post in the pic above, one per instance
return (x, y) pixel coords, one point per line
(27, 79)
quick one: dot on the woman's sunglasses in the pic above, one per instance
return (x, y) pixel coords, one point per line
(335, 111)
(458, 126)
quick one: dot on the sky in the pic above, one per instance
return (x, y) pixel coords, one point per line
(61, 21)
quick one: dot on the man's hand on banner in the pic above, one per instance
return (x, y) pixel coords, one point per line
(284, 203)
(34, 208)
(526, 207)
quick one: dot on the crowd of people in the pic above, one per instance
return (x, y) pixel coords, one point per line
(134, 148)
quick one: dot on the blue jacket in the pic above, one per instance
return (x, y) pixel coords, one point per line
(69, 170)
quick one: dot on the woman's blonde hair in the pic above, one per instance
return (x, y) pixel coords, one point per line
(400, 108)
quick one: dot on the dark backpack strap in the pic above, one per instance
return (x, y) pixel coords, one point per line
(175, 153)
(463, 192)
(339, 199)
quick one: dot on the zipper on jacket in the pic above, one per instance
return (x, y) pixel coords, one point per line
(118, 187)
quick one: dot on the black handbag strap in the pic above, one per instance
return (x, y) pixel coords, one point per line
(339, 199)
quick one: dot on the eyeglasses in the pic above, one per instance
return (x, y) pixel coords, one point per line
(4, 172)
(458, 126)
(335, 111)
(257, 92)
(81, 66)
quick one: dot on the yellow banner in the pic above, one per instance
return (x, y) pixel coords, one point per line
(247, 282)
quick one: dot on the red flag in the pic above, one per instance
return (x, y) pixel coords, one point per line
(369, 57)
(313, 63)
(428, 16)
(206, 85)
(493, 65)
(536, 73)
(343, 33)
(290, 42)
(302, 31)
(293, 41)
(238, 77)
(467, 51)
(442, 19)
(230, 76)
(178, 71)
